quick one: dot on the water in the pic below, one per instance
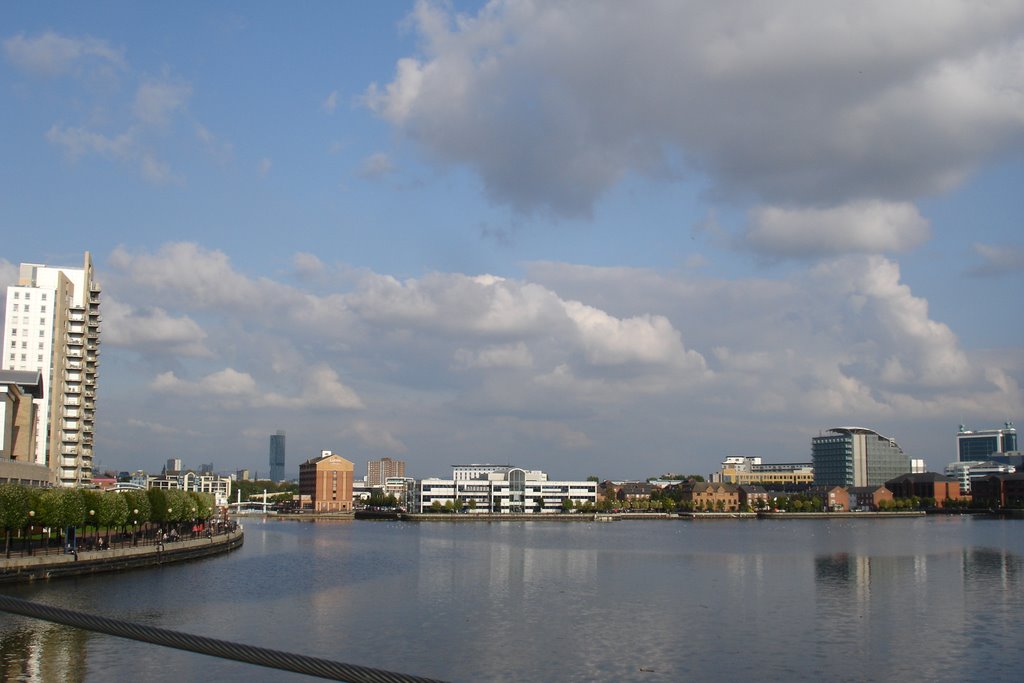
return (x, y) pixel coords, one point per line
(924, 598)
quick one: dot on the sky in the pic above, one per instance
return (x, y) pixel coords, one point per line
(588, 237)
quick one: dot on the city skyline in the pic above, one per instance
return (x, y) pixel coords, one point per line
(574, 236)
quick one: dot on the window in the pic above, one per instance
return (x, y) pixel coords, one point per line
(44, 296)
(26, 307)
(28, 295)
(14, 332)
(15, 307)
(42, 309)
(23, 358)
(42, 333)
(16, 295)
(12, 356)
(39, 358)
(14, 344)
(42, 321)
(40, 346)
(24, 345)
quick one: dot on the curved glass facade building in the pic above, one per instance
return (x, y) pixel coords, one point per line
(856, 456)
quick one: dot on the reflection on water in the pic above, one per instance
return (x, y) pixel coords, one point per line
(744, 599)
(39, 653)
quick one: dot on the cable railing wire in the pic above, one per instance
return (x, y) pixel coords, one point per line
(259, 656)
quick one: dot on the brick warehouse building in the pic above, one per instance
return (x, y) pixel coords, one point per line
(327, 480)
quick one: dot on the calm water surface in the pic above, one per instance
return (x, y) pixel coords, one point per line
(916, 599)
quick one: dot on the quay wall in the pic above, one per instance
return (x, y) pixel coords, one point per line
(50, 566)
(839, 515)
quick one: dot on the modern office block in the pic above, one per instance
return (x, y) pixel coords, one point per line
(855, 456)
(277, 456)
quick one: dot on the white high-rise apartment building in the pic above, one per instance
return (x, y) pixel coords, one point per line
(53, 325)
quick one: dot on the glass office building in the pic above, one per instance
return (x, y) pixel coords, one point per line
(855, 456)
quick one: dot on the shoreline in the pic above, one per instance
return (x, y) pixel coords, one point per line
(49, 566)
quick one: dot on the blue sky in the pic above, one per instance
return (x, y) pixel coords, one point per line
(594, 238)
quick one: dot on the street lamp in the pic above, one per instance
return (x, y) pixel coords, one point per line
(92, 520)
(31, 517)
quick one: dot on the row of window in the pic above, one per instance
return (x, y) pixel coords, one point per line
(24, 359)
(27, 308)
(28, 295)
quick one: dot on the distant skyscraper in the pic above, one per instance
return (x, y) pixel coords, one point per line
(277, 456)
(854, 456)
(53, 326)
(985, 443)
(173, 465)
(377, 471)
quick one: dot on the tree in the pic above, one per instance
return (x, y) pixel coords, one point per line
(472, 504)
(62, 508)
(593, 477)
(137, 501)
(14, 507)
(566, 505)
(436, 506)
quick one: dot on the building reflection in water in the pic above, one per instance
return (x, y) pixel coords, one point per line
(40, 652)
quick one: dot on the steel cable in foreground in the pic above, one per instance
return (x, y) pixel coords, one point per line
(260, 656)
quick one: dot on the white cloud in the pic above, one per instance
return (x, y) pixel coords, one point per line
(375, 437)
(79, 141)
(501, 356)
(570, 361)
(51, 54)
(998, 260)
(223, 383)
(8, 273)
(157, 100)
(869, 227)
(307, 265)
(804, 106)
(321, 390)
(377, 165)
(331, 102)
(151, 330)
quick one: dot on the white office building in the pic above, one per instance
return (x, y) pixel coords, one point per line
(502, 489)
(965, 471)
(52, 324)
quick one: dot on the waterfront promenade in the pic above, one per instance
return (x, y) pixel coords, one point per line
(55, 562)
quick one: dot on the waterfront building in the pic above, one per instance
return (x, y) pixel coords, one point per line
(855, 456)
(378, 471)
(625, 490)
(277, 456)
(173, 465)
(752, 496)
(402, 488)
(742, 469)
(927, 485)
(361, 490)
(967, 471)
(53, 326)
(709, 495)
(834, 498)
(327, 480)
(868, 497)
(502, 489)
(242, 475)
(19, 390)
(999, 490)
(219, 487)
(985, 444)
